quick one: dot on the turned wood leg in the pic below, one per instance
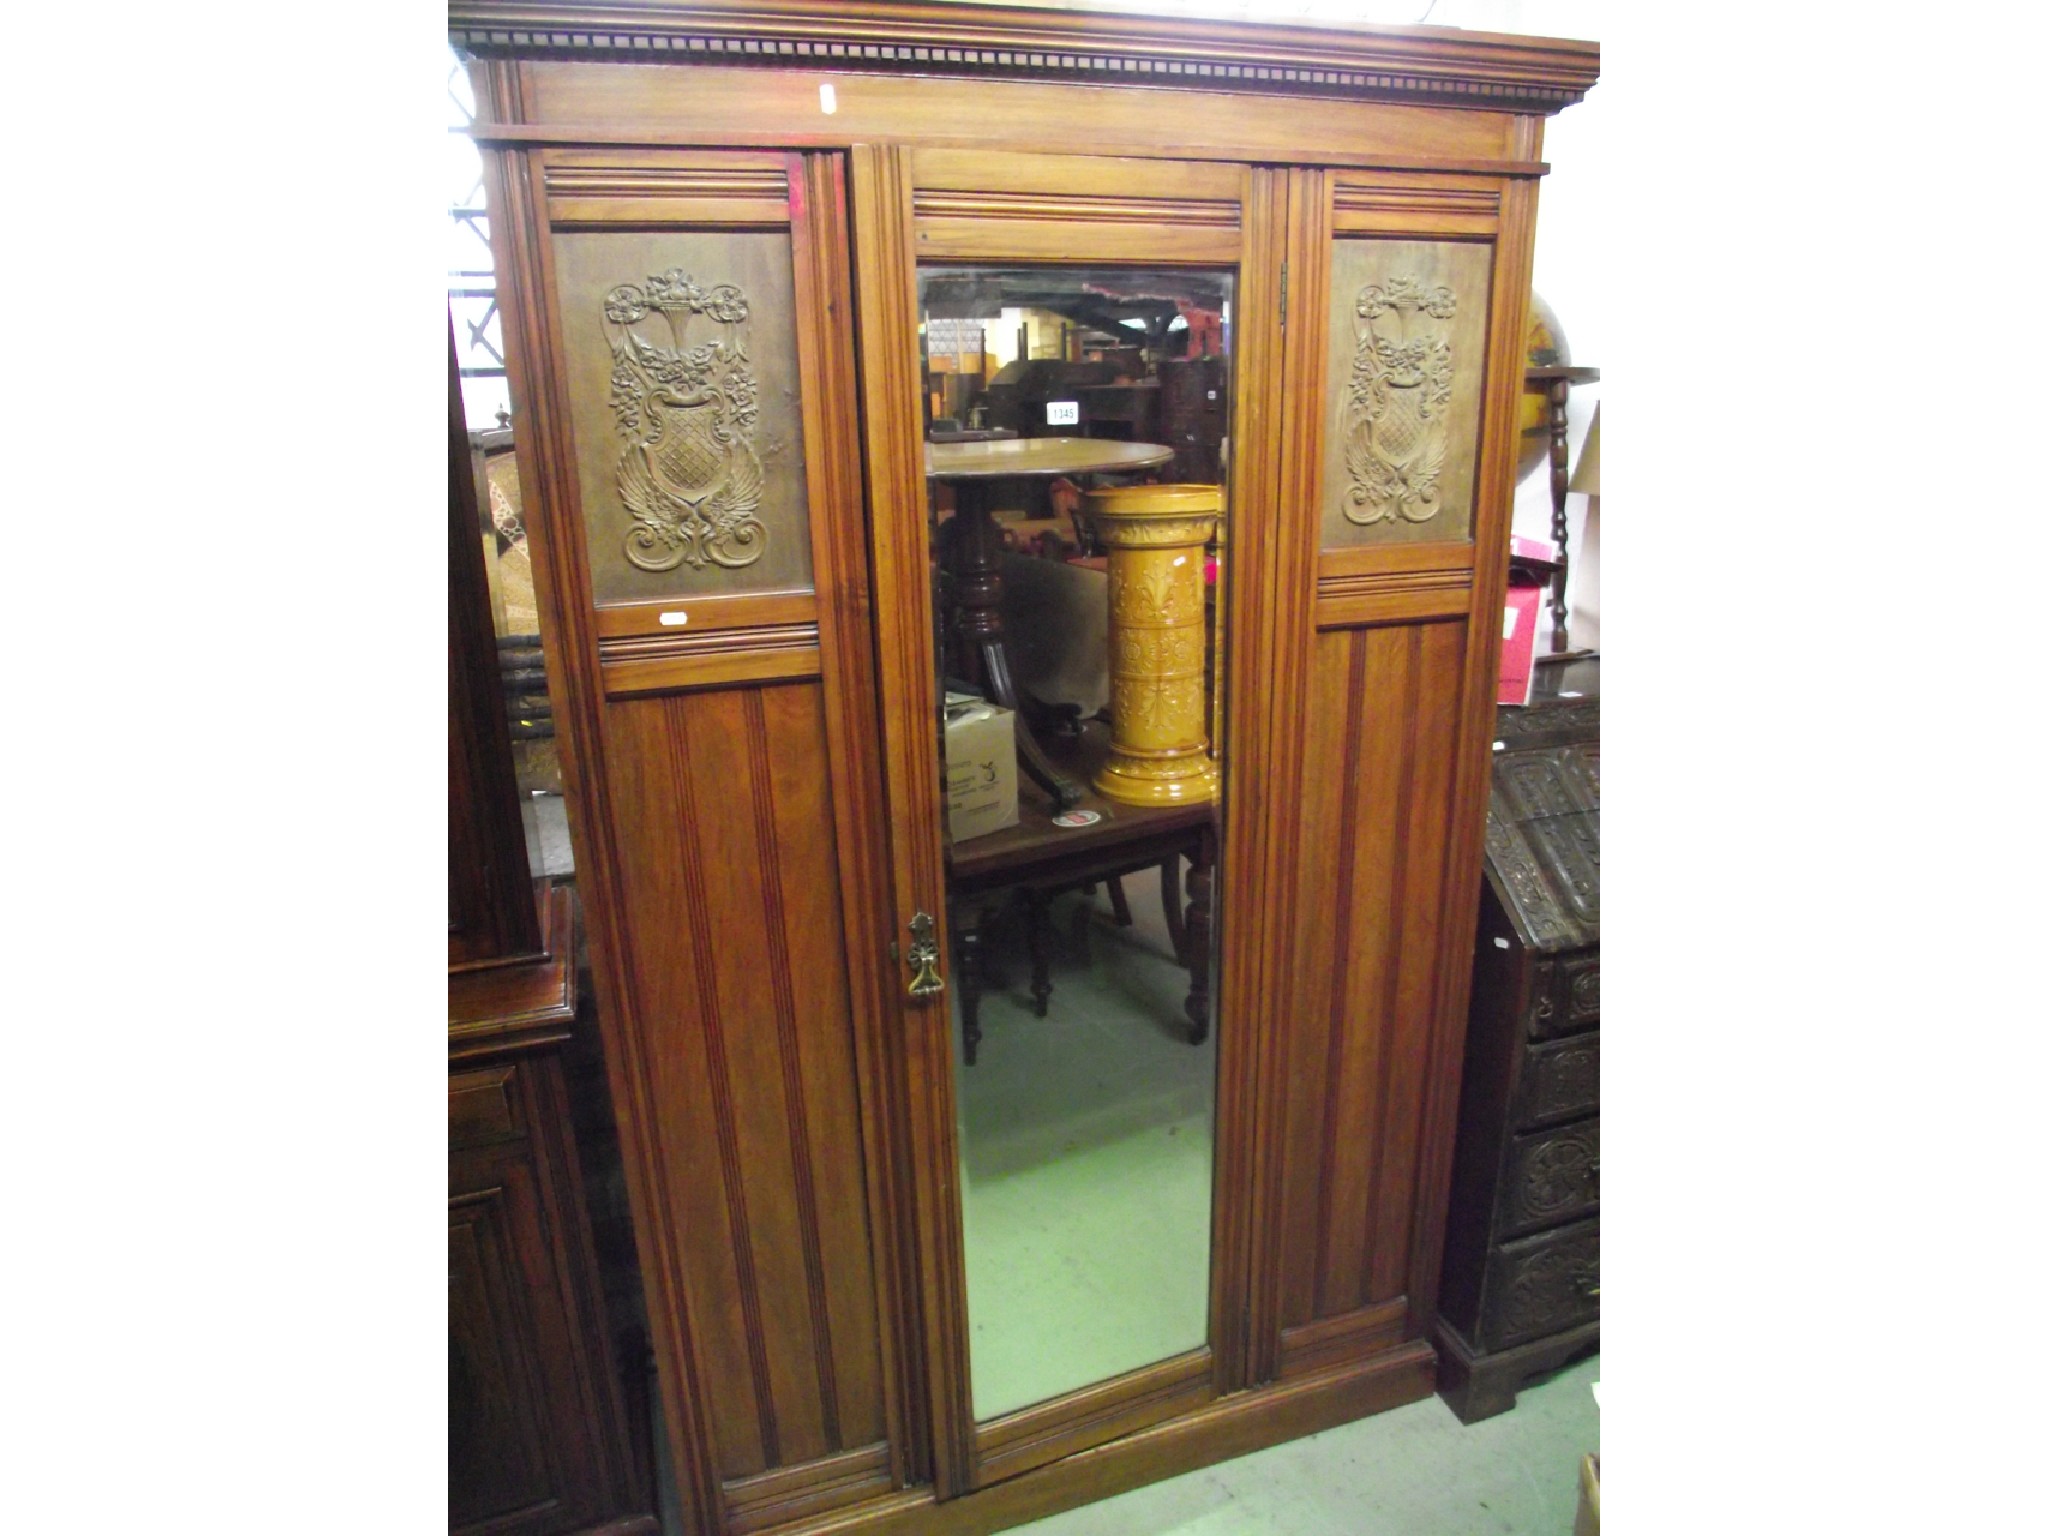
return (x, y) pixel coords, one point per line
(1199, 880)
(991, 973)
(978, 620)
(1038, 938)
(1170, 899)
(1117, 902)
(969, 983)
(1560, 479)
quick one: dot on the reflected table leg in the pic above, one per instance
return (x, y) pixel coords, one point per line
(970, 983)
(1200, 886)
(978, 599)
(1038, 938)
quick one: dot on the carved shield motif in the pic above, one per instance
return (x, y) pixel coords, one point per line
(689, 474)
(1396, 419)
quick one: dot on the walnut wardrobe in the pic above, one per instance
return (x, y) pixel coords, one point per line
(749, 255)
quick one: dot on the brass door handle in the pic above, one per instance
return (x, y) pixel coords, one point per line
(925, 980)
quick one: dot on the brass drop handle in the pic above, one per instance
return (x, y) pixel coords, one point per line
(925, 980)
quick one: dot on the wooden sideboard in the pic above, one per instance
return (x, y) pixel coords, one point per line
(709, 221)
(539, 1436)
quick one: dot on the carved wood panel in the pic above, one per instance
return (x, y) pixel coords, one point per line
(1580, 980)
(1407, 333)
(499, 1461)
(1550, 1177)
(1361, 1008)
(681, 351)
(535, 1446)
(1542, 1285)
(1564, 995)
(1558, 1080)
(724, 824)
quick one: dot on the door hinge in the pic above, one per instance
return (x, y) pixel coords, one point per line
(1283, 295)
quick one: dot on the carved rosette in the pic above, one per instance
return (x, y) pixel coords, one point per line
(1155, 535)
(1396, 418)
(689, 474)
(1549, 1291)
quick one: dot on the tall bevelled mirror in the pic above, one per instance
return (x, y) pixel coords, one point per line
(1077, 456)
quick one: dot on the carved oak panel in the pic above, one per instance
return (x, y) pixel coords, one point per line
(680, 346)
(1564, 995)
(1407, 334)
(1550, 1177)
(1580, 986)
(1542, 1285)
(1559, 1080)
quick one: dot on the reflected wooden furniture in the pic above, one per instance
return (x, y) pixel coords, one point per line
(750, 735)
(1037, 860)
(1522, 1254)
(538, 1432)
(975, 626)
(1555, 385)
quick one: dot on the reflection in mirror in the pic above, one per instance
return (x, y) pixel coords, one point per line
(1077, 452)
(522, 668)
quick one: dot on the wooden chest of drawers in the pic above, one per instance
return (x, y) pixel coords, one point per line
(1521, 1272)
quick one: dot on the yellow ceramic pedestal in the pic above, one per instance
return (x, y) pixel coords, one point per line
(1159, 753)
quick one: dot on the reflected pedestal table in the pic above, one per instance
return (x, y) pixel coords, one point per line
(976, 562)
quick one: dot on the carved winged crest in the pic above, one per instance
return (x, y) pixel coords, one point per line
(689, 473)
(1396, 410)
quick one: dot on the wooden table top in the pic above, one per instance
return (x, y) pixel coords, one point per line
(1040, 456)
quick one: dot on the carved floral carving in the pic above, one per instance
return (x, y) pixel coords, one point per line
(689, 473)
(1396, 416)
(1557, 1175)
(1154, 594)
(1549, 1291)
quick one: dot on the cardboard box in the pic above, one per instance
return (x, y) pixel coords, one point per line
(981, 768)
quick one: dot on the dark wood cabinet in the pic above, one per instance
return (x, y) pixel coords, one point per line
(538, 1439)
(1522, 1253)
(711, 221)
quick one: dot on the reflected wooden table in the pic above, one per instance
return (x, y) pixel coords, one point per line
(1039, 859)
(976, 561)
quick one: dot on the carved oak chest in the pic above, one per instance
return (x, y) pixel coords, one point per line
(1522, 1253)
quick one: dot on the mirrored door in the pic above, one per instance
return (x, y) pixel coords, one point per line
(1076, 439)
(1061, 363)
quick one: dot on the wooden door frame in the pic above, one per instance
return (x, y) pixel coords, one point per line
(995, 207)
(577, 635)
(1318, 589)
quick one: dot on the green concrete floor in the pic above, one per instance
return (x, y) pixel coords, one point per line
(1087, 1159)
(1413, 1471)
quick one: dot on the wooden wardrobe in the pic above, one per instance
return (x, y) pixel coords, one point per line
(746, 696)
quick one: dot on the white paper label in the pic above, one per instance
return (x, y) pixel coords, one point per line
(674, 617)
(1508, 633)
(828, 99)
(1062, 413)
